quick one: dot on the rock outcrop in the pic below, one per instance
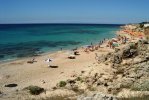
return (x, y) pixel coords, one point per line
(128, 66)
(97, 96)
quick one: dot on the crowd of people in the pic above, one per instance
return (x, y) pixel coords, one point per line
(115, 42)
(111, 43)
(91, 48)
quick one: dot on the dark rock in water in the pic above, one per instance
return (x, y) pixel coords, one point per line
(11, 85)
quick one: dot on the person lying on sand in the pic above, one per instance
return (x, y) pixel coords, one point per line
(31, 61)
(76, 53)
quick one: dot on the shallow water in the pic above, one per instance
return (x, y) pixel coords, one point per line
(26, 40)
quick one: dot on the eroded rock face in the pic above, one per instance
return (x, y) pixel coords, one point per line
(128, 65)
(117, 58)
(97, 96)
(129, 52)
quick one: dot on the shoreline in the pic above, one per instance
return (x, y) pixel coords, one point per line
(48, 52)
(41, 74)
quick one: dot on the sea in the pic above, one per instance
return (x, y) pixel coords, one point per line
(28, 40)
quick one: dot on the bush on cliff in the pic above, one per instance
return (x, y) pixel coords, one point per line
(35, 90)
(62, 83)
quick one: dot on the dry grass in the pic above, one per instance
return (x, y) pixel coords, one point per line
(141, 97)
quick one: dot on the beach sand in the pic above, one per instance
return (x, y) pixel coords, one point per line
(24, 74)
(38, 73)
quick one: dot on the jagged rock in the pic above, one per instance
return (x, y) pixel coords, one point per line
(97, 96)
(128, 52)
(114, 88)
(75, 88)
(109, 55)
(114, 65)
(99, 83)
(147, 56)
(71, 81)
(117, 50)
(137, 60)
(117, 58)
(132, 75)
(103, 58)
(144, 41)
(106, 84)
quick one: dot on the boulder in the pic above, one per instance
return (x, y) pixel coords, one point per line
(103, 58)
(117, 58)
(129, 52)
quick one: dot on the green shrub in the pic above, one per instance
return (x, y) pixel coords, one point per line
(62, 83)
(79, 79)
(35, 90)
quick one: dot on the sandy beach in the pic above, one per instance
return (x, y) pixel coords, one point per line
(40, 74)
(24, 74)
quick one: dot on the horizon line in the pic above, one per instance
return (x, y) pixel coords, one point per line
(67, 23)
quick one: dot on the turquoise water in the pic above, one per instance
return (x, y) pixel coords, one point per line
(25, 40)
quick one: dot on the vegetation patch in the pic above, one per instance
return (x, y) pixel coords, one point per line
(35, 90)
(62, 83)
(79, 79)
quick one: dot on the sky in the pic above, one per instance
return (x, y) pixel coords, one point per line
(74, 11)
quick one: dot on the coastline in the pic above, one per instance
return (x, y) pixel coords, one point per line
(40, 74)
(36, 39)
(41, 59)
(48, 52)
